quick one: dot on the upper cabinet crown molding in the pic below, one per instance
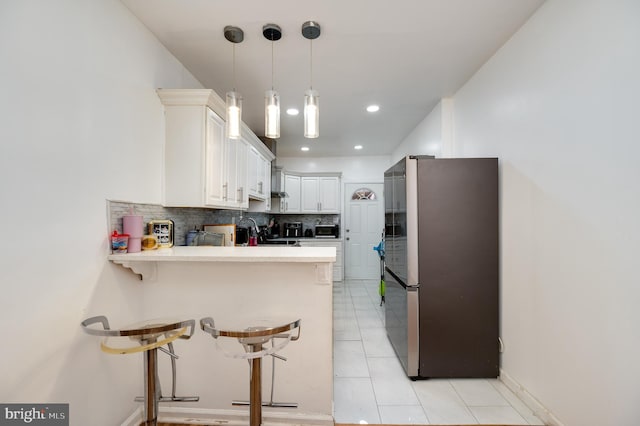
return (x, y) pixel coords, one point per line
(314, 174)
(200, 97)
(209, 98)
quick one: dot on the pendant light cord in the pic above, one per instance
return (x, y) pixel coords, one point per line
(272, 61)
(233, 45)
(311, 63)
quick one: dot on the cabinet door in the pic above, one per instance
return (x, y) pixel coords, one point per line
(254, 159)
(292, 188)
(215, 156)
(309, 195)
(263, 164)
(242, 195)
(329, 194)
(267, 185)
(231, 181)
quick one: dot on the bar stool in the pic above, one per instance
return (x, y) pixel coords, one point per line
(148, 337)
(253, 338)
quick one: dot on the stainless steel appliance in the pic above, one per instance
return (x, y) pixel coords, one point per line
(293, 230)
(327, 231)
(441, 271)
(242, 235)
(277, 184)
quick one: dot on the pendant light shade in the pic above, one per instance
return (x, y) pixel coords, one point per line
(272, 114)
(311, 31)
(234, 99)
(234, 114)
(272, 32)
(311, 114)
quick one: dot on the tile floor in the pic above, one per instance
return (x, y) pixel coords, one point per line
(370, 385)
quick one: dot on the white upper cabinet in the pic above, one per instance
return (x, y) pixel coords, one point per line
(320, 194)
(292, 188)
(309, 193)
(236, 176)
(259, 175)
(202, 167)
(215, 188)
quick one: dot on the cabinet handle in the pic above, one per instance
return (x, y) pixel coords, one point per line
(260, 186)
(286, 205)
(226, 190)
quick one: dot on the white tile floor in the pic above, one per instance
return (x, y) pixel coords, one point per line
(370, 385)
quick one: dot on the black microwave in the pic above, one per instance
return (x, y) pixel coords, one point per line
(327, 231)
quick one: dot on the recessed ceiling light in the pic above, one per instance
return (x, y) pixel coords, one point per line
(373, 108)
(357, 147)
(293, 111)
(304, 148)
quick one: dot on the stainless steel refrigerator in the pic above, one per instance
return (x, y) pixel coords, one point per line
(441, 265)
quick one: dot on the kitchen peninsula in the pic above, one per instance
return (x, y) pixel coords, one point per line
(232, 284)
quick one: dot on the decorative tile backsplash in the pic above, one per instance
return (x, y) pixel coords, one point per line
(188, 218)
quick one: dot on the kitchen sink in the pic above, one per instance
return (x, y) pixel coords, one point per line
(279, 242)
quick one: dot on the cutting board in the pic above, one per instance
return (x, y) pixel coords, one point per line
(228, 229)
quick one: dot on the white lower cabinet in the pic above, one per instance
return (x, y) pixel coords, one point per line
(338, 267)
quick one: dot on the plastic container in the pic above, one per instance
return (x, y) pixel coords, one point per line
(133, 225)
(119, 242)
(191, 237)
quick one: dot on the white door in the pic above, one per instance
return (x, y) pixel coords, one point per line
(364, 222)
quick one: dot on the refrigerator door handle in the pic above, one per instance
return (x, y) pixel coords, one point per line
(410, 287)
(413, 331)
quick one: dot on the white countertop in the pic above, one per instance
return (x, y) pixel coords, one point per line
(271, 254)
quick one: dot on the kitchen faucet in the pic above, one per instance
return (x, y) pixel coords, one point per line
(255, 225)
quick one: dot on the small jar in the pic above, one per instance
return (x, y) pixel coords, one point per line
(149, 242)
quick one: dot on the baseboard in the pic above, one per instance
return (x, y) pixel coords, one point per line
(199, 416)
(529, 400)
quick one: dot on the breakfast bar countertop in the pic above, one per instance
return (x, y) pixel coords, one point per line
(258, 254)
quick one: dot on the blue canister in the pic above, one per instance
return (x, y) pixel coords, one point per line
(191, 236)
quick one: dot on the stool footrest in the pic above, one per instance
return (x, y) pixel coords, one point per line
(171, 398)
(269, 404)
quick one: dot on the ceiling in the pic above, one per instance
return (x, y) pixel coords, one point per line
(403, 55)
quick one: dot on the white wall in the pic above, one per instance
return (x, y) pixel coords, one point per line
(432, 136)
(353, 169)
(80, 122)
(558, 104)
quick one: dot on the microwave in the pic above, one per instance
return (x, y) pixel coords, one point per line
(327, 231)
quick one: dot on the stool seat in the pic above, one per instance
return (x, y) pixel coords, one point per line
(147, 337)
(253, 334)
(143, 336)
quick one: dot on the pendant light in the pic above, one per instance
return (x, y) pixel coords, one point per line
(234, 99)
(311, 31)
(271, 98)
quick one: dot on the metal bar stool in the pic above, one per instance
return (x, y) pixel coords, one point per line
(147, 337)
(253, 338)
